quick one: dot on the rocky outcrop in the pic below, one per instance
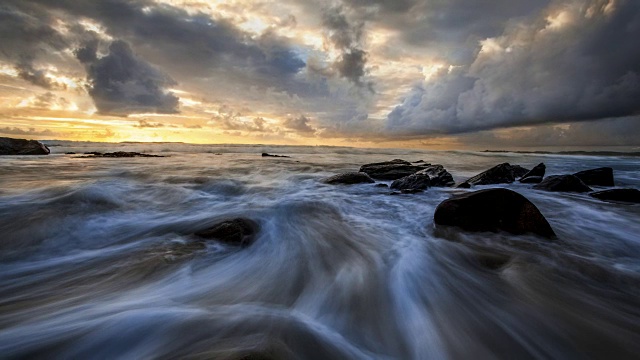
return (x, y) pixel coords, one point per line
(412, 182)
(270, 155)
(535, 175)
(438, 175)
(620, 195)
(10, 146)
(563, 183)
(596, 177)
(349, 178)
(240, 232)
(117, 154)
(500, 174)
(493, 210)
(390, 170)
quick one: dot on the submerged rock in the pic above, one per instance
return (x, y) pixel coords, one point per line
(622, 195)
(464, 185)
(412, 182)
(535, 175)
(270, 155)
(10, 146)
(390, 170)
(238, 231)
(349, 178)
(381, 185)
(438, 174)
(564, 183)
(117, 154)
(504, 173)
(598, 177)
(493, 210)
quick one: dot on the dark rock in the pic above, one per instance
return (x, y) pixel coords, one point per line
(382, 185)
(390, 170)
(412, 182)
(349, 178)
(419, 162)
(235, 232)
(565, 183)
(269, 155)
(70, 153)
(93, 153)
(493, 210)
(438, 174)
(10, 146)
(406, 191)
(599, 177)
(535, 173)
(118, 154)
(464, 185)
(531, 180)
(622, 195)
(504, 173)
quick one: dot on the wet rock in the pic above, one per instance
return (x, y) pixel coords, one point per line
(564, 183)
(535, 175)
(349, 178)
(438, 175)
(270, 155)
(10, 146)
(464, 185)
(70, 153)
(621, 195)
(419, 162)
(382, 185)
(390, 170)
(531, 180)
(493, 210)
(238, 231)
(598, 177)
(412, 182)
(117, 154)
(504, 173)
(406, 191)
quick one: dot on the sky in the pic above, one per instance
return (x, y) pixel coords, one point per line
(436, 74)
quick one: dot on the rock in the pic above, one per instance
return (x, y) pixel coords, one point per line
(565, 183)
(10, 146)
(70, 153)
(382, 185)
(622, 195)
(504, 173)
(598, 177)
(412, 182)
(536, 173)
(406, 191)
(438, 175)
(493, 210)
(117, 154)
(531, 180)
(464, 185)
(269, 155)
(349, 178)
(419, 162)
(390, 170)
(235, 232)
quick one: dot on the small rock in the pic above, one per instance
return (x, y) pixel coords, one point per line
(269, 155)
(118, 154)
(381, 185)
(419, 162)
(622, 195)
(10, 146)
(235, 232)
(438, 175)
(406, 191)
(598, 177)
(70, 153)
(412, 182)
(349, 178)
(504, 173)
(464, 185)
(536, 173)
(493, 210)
(390, 170)
(564, 183)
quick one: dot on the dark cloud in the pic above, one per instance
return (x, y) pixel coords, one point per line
(121, 83)
(586, 69)
(48, 100)
(300, 124)
(26, 71)
(28, 132)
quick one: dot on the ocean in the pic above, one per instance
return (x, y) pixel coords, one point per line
(89, 267)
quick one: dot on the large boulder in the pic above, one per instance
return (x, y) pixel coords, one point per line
(390, 170)
(349, 178)
(564, 183)
(438, 175)
(599, 177)
(535, 175)
(504, 173)
(412, 182)
(238, 231)
(493, 210)
(9, 146)
(622, 195)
